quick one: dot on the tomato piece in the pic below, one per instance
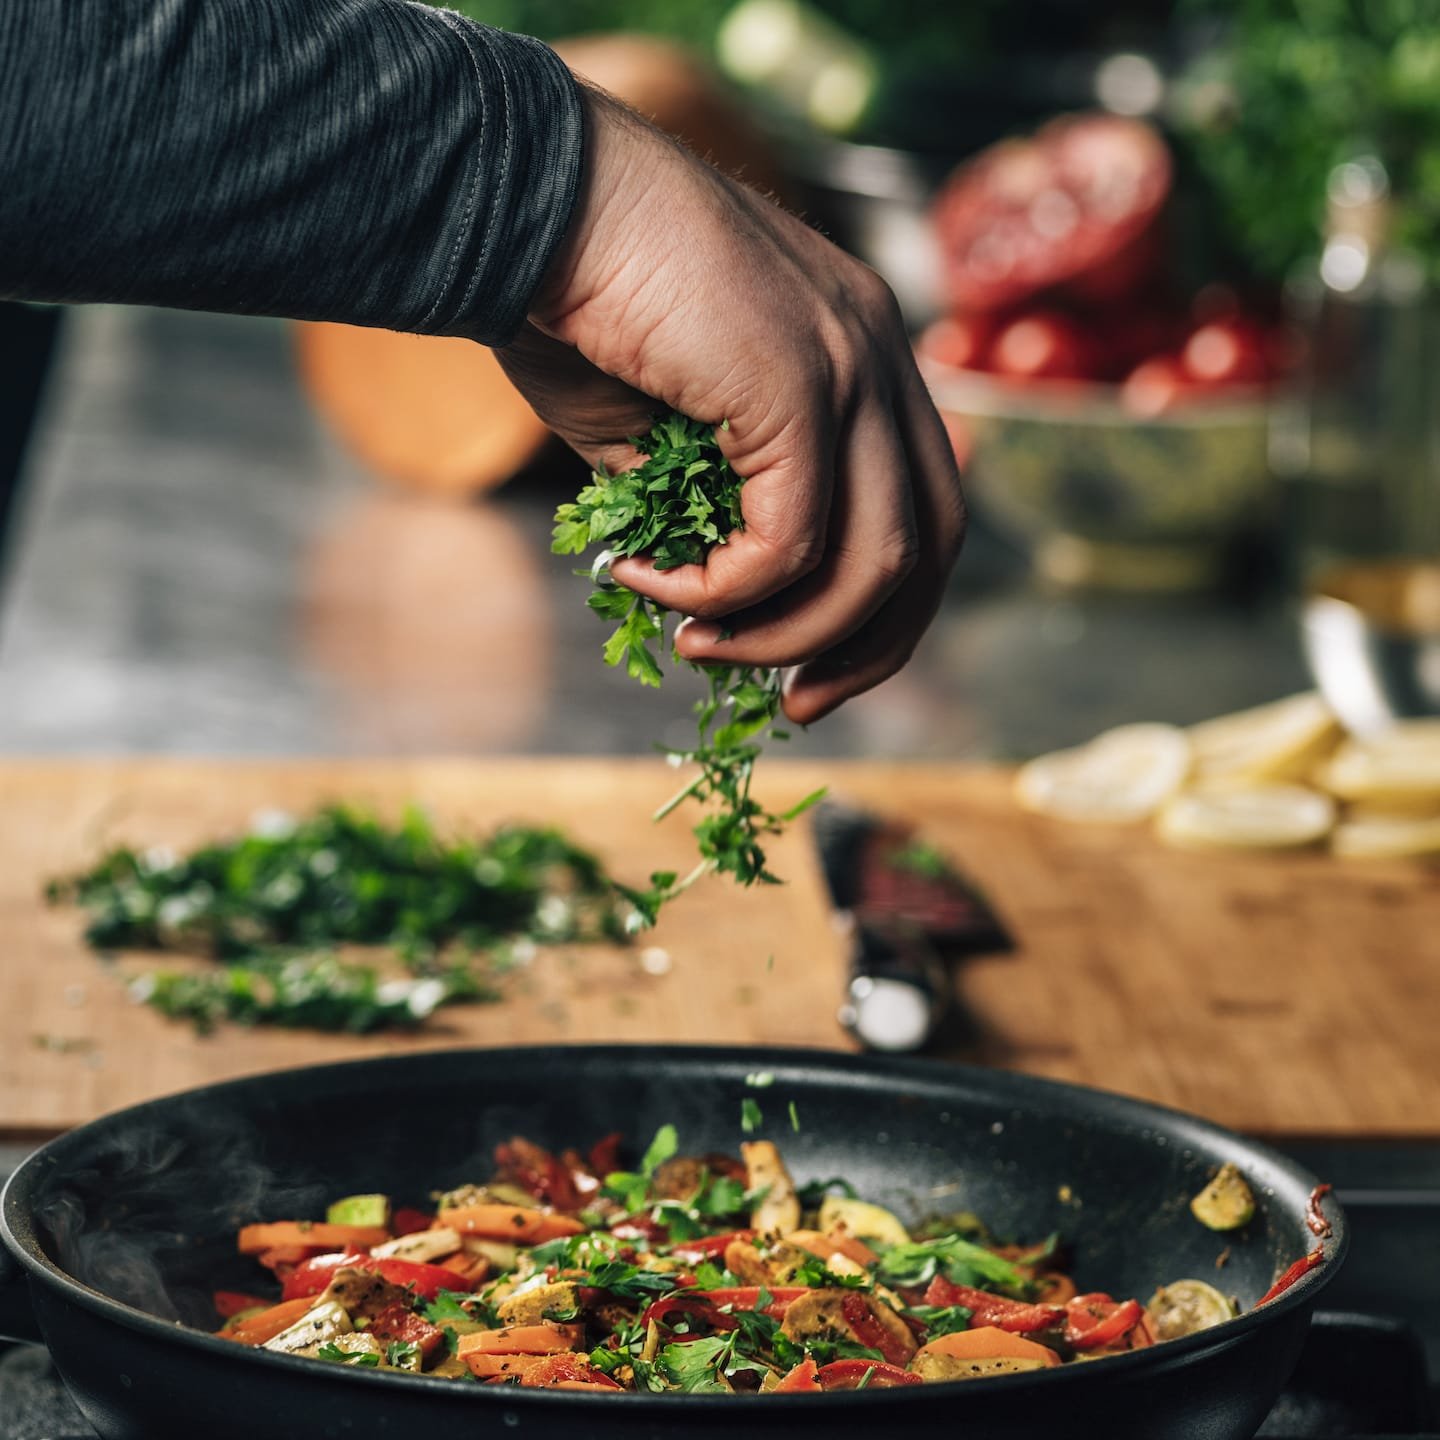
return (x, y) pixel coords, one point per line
(1045, 345)
(400, 1322)
(315, 1274)
(1015, 1316)
(801, 1380)
(1092, 1321)
(850, 1374)
(747, 1297)
(567, 1372)
(229, 1303)
(407, 1221)
(870, 1332)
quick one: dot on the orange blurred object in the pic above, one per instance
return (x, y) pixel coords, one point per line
(439, 415)
(433, 413)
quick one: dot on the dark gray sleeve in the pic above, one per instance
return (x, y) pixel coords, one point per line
(371, 161)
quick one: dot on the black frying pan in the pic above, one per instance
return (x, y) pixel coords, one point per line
(124, 1226)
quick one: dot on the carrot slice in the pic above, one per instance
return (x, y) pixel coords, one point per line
(545, 1338)
(280, 1234)
(499, 1367)
(516, 1223)
(257, 1329)
(987, 1343)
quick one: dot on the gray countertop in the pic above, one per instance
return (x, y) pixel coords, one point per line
(198, 568)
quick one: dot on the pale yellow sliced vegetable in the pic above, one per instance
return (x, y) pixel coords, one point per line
(1121, 776)
(778, 1211)
(420, 1245)
(1399, 767)
(1387, 837)
(1270, 817)
(1185, 1306)
(1280, 741)
(321, 1323)
(871, 1223)
(1226, 1203)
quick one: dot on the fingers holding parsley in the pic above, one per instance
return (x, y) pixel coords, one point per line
(682, 286)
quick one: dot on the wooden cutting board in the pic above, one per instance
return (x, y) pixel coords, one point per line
(1286, 996)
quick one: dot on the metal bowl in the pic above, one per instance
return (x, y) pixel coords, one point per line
(1372, 639)
(1105, 499)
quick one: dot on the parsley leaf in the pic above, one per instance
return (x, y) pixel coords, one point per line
(403, 1354)
(445, 1306)
(662, 1148)
(681, 501)
(959, 1260)
(331, 1351)
(752, 1117)
(813, 1192)
(940, 1319)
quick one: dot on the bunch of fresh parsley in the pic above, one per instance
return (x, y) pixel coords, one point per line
(680, 502)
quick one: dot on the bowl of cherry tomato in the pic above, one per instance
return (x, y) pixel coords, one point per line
(1117, 429)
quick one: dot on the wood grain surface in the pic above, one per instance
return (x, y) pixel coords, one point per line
(1289, 996)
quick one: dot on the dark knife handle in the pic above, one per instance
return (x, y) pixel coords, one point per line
(897, 992)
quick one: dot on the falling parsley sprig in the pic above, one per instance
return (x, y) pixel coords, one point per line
(679, 503)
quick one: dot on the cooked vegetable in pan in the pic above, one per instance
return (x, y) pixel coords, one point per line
(697, 1273)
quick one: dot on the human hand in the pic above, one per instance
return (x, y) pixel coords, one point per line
(679, 286)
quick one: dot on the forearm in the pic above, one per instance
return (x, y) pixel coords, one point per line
(370, 161)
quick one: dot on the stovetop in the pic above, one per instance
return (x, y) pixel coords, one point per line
(1359, 1376)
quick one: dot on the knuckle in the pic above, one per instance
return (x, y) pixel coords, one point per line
(893, 562)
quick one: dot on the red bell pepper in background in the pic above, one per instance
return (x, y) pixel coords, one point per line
(1014, 1316)
(1092, 1321)
(849, 1374)
(229, 1303)
(406, 1221)
(709, 1246)
(536, 1171)
(605, 1155)
(315, 1274)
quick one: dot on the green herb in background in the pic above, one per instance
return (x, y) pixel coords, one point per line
(677, 505)
(271, 904)
(1296, 87)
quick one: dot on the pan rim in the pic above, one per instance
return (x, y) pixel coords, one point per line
(19, 1235)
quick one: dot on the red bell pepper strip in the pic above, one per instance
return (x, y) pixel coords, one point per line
(850, 1374)
(536, 1171)
(695, 1303)
(1092, 1321)
(1014, 1316)
(747, 1297)
(869, 1331)
(315, 1274)
(1302, 1266)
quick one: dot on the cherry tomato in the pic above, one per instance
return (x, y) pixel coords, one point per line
(1226, 352)
(1156, 387)
(1045, 345)
(960, 341)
